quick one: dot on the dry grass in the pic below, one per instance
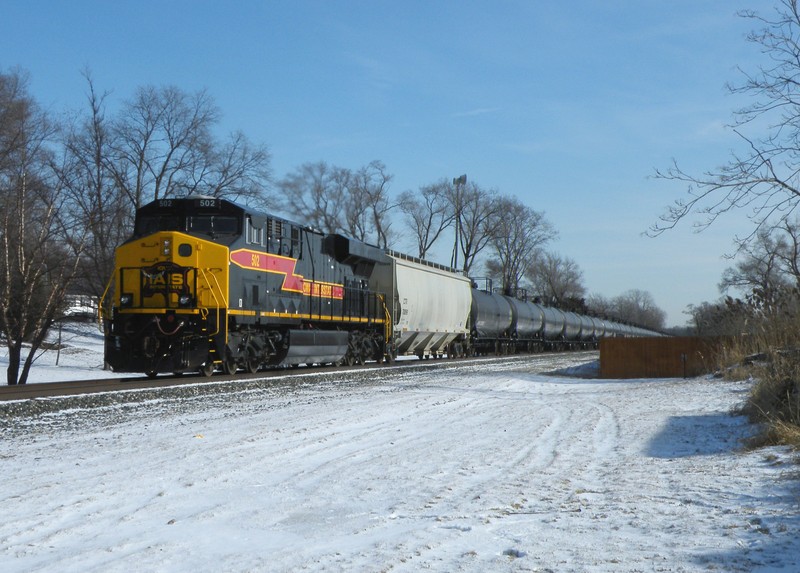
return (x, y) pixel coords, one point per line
(771, 355)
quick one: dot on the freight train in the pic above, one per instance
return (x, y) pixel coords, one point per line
(205, 284)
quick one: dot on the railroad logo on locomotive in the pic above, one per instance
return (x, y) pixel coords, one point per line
(270, 263)
(324, 290)
(164, 276)
(286, 266)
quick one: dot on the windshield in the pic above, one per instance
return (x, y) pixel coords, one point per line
(212, 224)
(205, 224)
(151, 223)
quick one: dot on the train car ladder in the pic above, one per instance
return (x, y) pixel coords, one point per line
(387, 323)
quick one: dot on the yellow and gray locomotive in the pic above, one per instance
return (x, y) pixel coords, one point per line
(205, 283)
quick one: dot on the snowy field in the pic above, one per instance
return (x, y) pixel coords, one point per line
(485, 467)
(80, 358)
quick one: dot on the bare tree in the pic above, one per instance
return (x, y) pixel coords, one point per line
(634, 306)
(476, 216)
(369, 195)
(158, 145)
(600, 305)
(335, 199)
(38, 253)
(91, 197)
(760, 269)
(316, 194)
(356, 215)
(162, 146)
(727, 317)
(790, 251)
(237, 169)
(557, 280)
(516, 237)
(427, 213)
(638, 307)
(763, 176)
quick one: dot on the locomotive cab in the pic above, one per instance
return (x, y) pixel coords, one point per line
(171, 285)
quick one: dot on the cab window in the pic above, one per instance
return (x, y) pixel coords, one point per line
(254, 233)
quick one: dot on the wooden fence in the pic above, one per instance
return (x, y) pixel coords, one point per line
(665, 357)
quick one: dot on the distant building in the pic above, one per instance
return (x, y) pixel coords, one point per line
(80, 307)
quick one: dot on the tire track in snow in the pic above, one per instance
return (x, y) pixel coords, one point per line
(499, 486)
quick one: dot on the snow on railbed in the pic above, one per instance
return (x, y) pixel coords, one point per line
(491, 466)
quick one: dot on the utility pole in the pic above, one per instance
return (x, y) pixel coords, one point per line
(459, 183)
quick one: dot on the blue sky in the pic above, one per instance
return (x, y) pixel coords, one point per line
(570, 106)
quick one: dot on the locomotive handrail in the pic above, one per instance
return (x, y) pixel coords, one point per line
(213, 294)
(387, 323)
(101, 312)
(224, 300)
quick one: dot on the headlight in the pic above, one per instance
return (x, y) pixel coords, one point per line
(184, 300)
(126, 299)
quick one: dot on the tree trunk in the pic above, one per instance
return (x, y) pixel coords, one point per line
(12, 373)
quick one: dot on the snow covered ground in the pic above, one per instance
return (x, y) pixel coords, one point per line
(486, 467)
(80, 358)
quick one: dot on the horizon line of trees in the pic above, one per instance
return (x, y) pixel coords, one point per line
(70, 187)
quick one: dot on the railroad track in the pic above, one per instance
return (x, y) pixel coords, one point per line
(73, 388)
(78, 387)
(98, 386)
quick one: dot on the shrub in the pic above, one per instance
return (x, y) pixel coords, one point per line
(769, 352)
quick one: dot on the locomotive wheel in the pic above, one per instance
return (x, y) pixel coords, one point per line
(252, 363)
(151, 374)
(229, 364)
(207, 369)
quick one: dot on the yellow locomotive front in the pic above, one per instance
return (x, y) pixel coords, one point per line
(170, 297)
